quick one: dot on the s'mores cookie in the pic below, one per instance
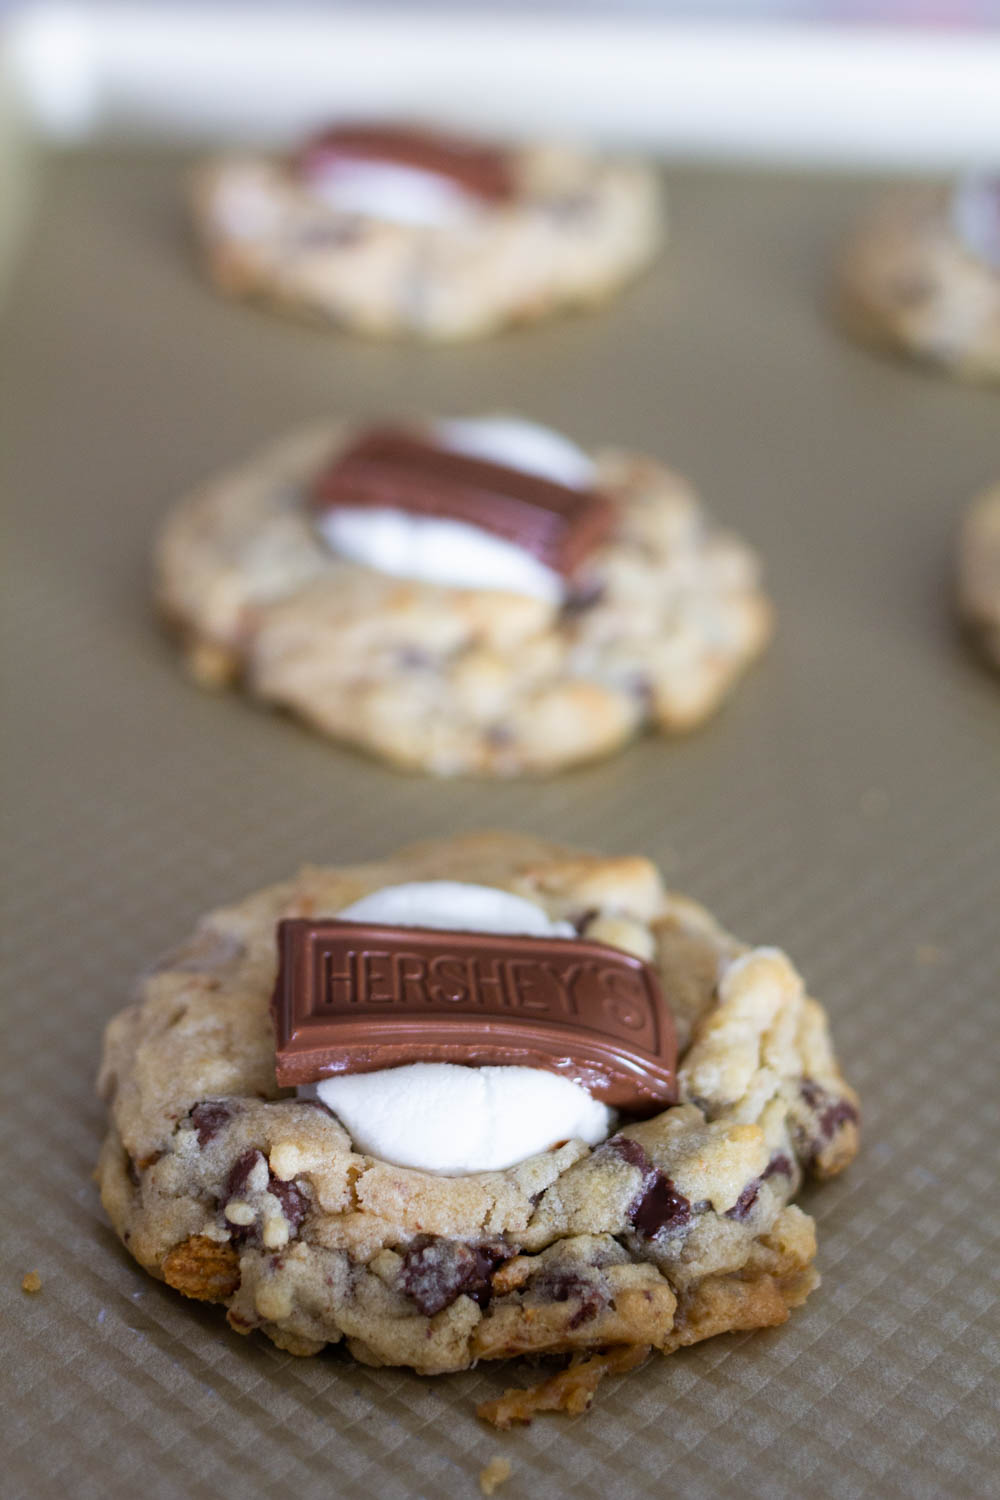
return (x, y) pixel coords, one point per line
(923, 278)
(485, 1098)
(462, 596)
(395, 230)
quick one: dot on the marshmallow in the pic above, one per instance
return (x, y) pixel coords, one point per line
(456, 554)
(444, 1117)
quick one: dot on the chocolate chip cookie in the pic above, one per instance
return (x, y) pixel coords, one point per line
(678, 1225)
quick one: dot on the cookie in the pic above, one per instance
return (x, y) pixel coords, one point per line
(979, 572)
(396, 231)
(675, 1226)
(525, 668)
(923, 279)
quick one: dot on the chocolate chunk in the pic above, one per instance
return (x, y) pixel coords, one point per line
(778, 1166)
(569, 1286)
(388, 468)
(208, 1118)
(294, 1203)
(579, 600)
(624, 1147)
(583, 921)
(354, 997)
(436, 1270)
(239, 1173)
(483, 171)
(829, 1111)
(657, 1206)
(745, 1201)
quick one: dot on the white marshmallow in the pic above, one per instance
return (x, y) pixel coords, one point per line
(450, 553)
(456, 554)
(527, 446)
(455, 906)
(443, 1117)
(398, 194)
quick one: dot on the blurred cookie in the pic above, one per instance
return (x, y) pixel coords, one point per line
(395, 231)
(466, 596)
(923, 278)
(979, 571)
(316, 1217)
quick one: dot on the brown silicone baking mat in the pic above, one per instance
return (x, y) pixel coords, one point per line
(846, 805)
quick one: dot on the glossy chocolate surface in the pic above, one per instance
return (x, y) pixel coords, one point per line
(391, 468)
(481, 170)
(352, 997)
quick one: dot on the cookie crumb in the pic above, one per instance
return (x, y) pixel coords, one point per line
(929, 953)
(32, 1282)
(496, 1473)
(571, 1391)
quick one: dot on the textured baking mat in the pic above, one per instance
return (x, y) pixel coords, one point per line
(846, 805)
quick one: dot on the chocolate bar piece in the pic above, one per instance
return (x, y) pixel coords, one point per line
(393, 469)
(352, 998)
(481, 170)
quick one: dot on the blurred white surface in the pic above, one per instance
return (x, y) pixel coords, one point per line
(769, 91)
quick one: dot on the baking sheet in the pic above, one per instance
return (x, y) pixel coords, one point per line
(845, 805)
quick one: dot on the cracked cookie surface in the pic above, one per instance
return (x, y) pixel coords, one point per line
(576, 229)
(661, 621)
(676, 1228)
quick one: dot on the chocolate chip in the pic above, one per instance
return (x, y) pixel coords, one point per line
(436, 1271)
(830, 1113)
(657, 1206)
(208, 1118)
(627, 1149)
(585, 596)
(779, 1165)
(583, 921)
(745, 1201)
(294, 1202)
(568, 1286)
(239, 1172)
